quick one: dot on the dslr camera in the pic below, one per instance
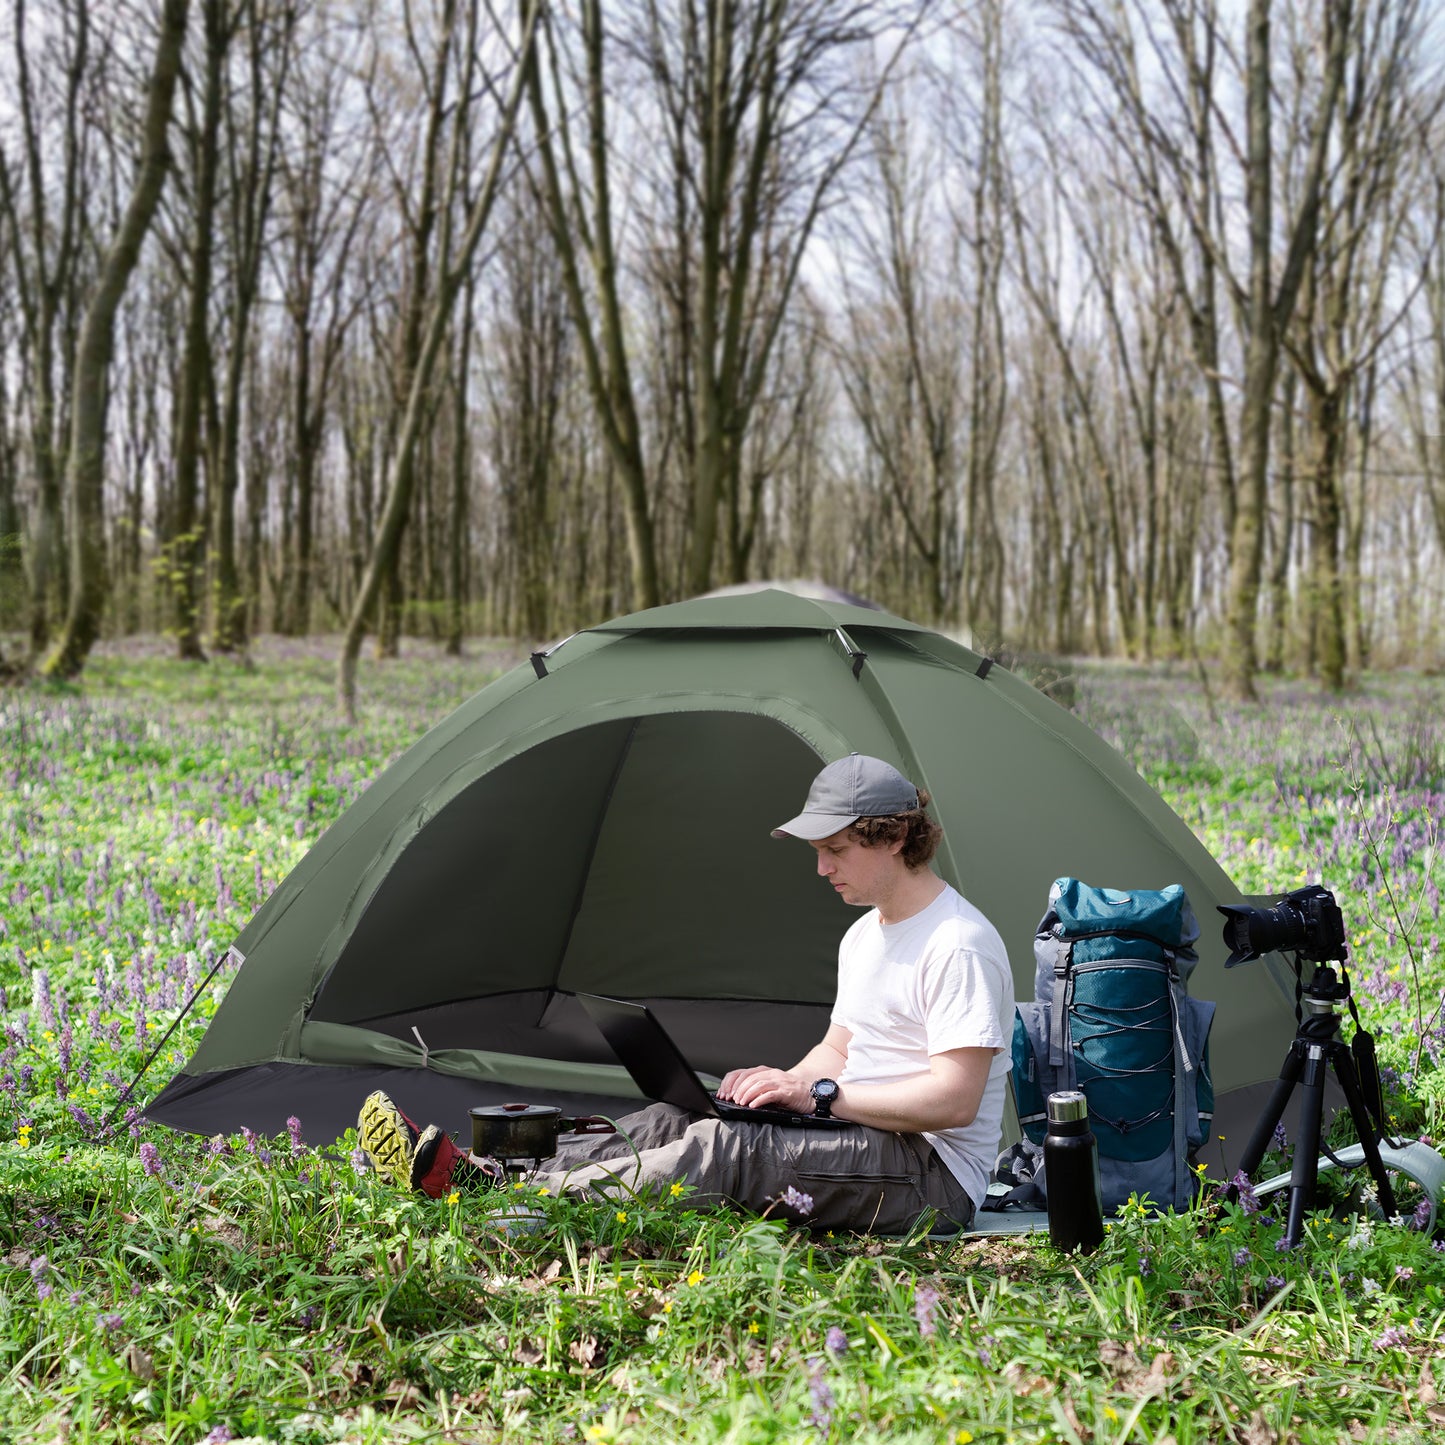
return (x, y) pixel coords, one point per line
(1306, 922)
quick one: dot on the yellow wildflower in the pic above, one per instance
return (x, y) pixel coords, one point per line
(622, 1216)
(676, 1190)
(454, 1197)
(695, 1277)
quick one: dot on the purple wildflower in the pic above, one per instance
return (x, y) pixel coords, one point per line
(150, 1158)
(359, 1161)
(1244, 1192)
(1404, 1273)
(836, 1341)
(42, 1274)
(1241, 1258)
(1278, 1140)
(796, 1200)
(1145, 1267)
(821, 1394)
(1420, 1220)
(219, 1436)
(925, 1302)
(111, 1323)
(985, 1351)
(1282, 1245)
(218, 1146)
(1393, 1338)
(44, 1005)
(1274, 1282)
(293, 1127)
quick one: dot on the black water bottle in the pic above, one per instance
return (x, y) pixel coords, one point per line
(1071, 1175)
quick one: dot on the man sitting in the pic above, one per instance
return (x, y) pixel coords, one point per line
(916, 1052)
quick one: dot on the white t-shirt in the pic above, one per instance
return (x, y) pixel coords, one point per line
(937, 981)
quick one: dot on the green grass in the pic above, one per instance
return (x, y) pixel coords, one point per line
(160, 1288)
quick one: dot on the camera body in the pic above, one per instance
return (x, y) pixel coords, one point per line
(1307, 922)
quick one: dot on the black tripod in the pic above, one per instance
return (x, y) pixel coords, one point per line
(1317, 1046)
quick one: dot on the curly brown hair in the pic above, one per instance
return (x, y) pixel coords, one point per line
(919, 833)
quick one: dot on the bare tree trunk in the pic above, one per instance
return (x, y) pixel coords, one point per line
(1282, 518)
(183, 548)
(86, 466)
(1269, 307)
(50, 218)
(451, 276)
(604, 350)
(251, 160)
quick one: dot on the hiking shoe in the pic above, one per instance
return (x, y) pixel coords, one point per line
(390, 1139)
(412, 1158)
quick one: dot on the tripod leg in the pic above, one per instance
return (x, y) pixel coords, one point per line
(1259, 1141)
(1305, 1172)
(1365, 1132)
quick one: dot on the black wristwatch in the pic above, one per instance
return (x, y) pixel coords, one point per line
(825, 1095)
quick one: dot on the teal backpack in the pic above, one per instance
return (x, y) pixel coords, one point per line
(1112, 1016)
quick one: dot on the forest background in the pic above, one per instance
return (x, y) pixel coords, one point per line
(1075, 326)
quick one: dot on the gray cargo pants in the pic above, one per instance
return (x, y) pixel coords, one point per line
(858, 1178)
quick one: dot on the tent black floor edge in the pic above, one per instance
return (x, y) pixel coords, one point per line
(326, 1099)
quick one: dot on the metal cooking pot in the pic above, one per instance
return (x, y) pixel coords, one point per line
(527, 1131)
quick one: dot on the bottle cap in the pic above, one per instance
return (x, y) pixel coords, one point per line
(1067, 1107)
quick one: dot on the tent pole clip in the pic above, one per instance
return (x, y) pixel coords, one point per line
(425, 1052)
(855, 654)
(539, 663)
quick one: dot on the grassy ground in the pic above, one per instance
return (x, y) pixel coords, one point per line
(155, 1287)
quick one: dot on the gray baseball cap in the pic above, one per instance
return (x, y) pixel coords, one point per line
(851, 788)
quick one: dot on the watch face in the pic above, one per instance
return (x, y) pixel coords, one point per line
(825, 1091)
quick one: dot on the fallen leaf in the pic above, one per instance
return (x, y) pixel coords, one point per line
(646, 1302)
(1425, 1391)
(1118, 1357)
(139, 1363)
(1072, 1416)
(1024, 1383)
(552, 1271)
(226, 1230)
(528, 1353)
(1258, 1431)
(586, 1351)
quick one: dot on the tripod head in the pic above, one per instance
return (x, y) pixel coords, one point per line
(1325, 990)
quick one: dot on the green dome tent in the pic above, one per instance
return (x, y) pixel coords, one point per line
(598, 820)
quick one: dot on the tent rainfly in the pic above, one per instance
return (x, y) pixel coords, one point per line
(598, 819)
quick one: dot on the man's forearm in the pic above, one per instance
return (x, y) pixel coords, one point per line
(946, 1097)
(822, 1061)
(909, 1106)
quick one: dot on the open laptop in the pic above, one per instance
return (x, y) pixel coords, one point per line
(649, 1053)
